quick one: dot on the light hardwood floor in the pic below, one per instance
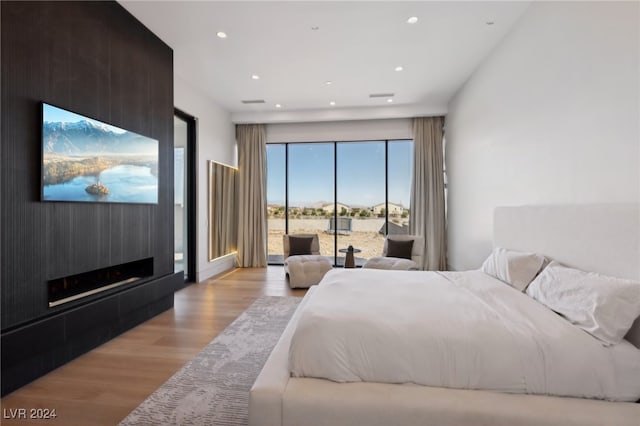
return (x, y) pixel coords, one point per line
(104, 385)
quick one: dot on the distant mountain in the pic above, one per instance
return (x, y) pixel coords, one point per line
(320, 204)
(86, 138)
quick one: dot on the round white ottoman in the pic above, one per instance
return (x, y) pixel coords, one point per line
(306, 270)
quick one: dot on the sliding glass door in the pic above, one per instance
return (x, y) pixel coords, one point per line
(349, 193)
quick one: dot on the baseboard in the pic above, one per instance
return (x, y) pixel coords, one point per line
(217, 266)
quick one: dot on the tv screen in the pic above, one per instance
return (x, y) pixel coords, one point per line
(87, 160)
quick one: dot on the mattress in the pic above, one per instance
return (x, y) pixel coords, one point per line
(462, 330)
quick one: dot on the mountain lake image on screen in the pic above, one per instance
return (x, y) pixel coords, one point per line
(86, 160)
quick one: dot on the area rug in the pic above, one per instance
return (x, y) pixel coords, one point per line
(213, 388)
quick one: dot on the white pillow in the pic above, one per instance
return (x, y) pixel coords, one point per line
(515, 268)
(603, 306)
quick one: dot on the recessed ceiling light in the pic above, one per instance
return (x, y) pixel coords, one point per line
(255, 77)
(328, 83)
(332, 103)
(412, 20)
(221, 34)
(389, 100)
(278, 106)
(399, 68)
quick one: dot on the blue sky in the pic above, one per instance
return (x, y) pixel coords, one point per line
(360, 173)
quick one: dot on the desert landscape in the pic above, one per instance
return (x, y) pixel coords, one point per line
(365, 235)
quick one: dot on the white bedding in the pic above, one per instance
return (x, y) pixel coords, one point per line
(453, 329)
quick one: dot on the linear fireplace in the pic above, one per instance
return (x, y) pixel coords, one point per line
(67, 289)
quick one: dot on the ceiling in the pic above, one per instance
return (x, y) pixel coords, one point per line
(295, 47)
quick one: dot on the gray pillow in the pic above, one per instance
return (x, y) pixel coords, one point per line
(400, 249)
(300, 246)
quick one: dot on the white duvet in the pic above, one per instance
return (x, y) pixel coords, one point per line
(453, 329)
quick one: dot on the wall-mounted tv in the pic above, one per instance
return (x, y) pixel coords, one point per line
(87, 160)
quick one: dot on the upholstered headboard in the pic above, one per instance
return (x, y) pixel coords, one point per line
(602, 238)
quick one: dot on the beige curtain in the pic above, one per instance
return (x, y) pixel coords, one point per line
(252, 195)
(427, 191)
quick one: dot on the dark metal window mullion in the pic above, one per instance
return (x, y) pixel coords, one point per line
(386, 187)
(335, 203)
(286, 188)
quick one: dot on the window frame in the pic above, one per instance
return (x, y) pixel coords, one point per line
(335, 182)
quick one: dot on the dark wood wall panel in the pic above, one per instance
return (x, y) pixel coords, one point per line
(28, 352)
(93, 58)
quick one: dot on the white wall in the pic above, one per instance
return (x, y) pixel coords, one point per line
(215, 141)
(358, 130)
(551, 116)
(382, 112)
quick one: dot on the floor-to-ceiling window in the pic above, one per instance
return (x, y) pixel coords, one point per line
(349, 193)
(184, 194)
(361, 191)
(276, 200)
(399, 173)
(310, 191)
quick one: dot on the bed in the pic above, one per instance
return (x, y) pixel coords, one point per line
(599, 238)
